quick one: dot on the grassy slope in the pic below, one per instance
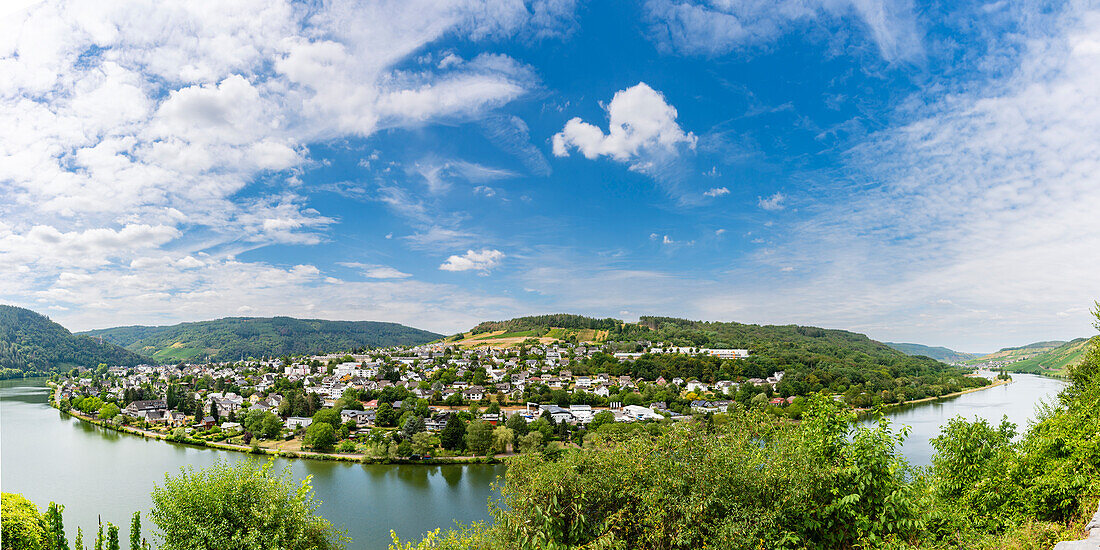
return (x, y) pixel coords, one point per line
(1017, 353)
(1054, 361)
(235, 337)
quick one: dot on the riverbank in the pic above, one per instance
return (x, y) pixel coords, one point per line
(257, 450)
(890, 406)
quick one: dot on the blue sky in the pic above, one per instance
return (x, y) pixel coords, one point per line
(919, 172)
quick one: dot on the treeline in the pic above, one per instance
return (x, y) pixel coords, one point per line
(32, 342)
(235, 337)
(546, 322)
(743, 481)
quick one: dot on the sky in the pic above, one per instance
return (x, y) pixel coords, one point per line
(917, 171)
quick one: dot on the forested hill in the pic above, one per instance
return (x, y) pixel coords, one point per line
(30, 342)
(236, 337)
(946, 355)
(814, 359)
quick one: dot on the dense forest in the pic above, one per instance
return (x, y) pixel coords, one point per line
(544, 323)
(232, 338)
(31, 343)
(938, 353)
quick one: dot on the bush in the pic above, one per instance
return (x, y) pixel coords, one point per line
(240, 506)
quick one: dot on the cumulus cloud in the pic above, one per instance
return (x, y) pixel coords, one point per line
(772, 203)
(641, 123)
(718, 27)
(135, 132)
(482, 260)
(717, 192)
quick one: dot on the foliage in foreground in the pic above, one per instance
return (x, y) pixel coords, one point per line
(240, 506)
(747, 482)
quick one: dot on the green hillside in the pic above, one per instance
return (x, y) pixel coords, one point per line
(814, 359)
(946, 355)
(30, 342)
(236, 337)
(1053, 361)
(1018, 353)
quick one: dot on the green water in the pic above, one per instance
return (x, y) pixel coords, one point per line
(48, 456)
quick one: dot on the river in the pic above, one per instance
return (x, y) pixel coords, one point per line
(48, 456)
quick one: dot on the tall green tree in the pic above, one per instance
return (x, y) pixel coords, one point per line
(320, 437)
(453, 435)
(135, 531)
(479, 437)
(55, 528)
(112, 536)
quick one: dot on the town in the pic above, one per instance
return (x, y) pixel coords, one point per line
(375, 402)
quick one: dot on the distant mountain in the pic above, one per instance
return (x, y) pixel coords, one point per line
(236, 337)
(32, 342)
(939, 353)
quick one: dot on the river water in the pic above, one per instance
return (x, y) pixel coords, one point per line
(48, 456)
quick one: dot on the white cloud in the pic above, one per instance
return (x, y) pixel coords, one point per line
(135, 132)
(719, 27)
(641, 123)
(772, 203)
(482, 260)
(717, 192)
(374, 271)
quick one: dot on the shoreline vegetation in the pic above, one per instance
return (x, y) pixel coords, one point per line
(367, 459)
(279, 453)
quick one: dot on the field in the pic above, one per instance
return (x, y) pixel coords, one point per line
(1017, 354)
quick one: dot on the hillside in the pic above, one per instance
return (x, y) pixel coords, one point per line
(236, 337)
(813, 358)
(30, 342)
(1053, 361)
(1018, 353)
(938, 353)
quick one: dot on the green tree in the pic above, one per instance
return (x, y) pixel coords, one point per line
(98, 539)
(601, 418)
(240, 506)
(328, 416)
(412, 426)
(270, 426)
(502, 438)
(112, 536)
(55, 528)
(453, 436)
(385, 416)
(421, 443)
(530, 442)
(78, 544)
(320, 437)
(21, 526)
(135, 531)
(479, 437)
(109, 411)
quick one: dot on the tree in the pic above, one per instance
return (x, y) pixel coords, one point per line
(328, 416)
(502, 437)
(601, 418)
(479, 437)
(530, 442)
(453, 435)
(112, 536)
(78, 544)
(270, 425)
(21, 527)
(320, 437)
(183, 510)
(412, 426)
(421, 443)
(135, 531)
(55, 528)
(385, 416)
(214, 411)
(109, 411)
